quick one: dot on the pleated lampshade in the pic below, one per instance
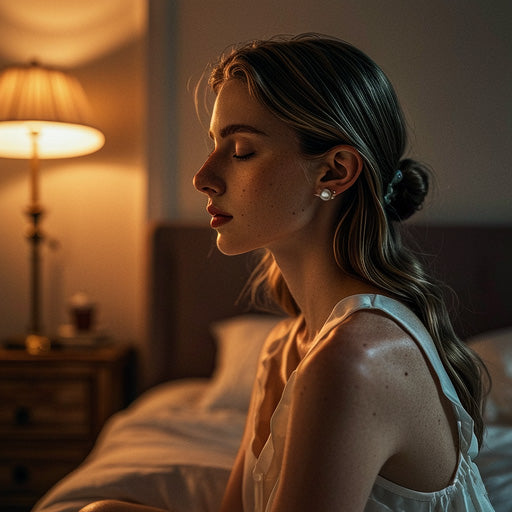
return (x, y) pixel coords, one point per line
(51, 103)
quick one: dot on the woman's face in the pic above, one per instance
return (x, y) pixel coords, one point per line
(260, 189)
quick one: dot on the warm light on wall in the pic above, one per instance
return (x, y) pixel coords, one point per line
(43, 114)
(68, 33)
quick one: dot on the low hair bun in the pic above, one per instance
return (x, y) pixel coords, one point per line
(410, 192)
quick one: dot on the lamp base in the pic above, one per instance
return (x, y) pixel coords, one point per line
(36, 344)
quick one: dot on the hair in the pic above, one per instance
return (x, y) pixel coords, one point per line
(331, 93)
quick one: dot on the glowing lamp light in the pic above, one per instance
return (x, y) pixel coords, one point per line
(49, 103)
(44, 113)
(55, 140)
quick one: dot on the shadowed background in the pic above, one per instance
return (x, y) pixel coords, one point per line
(139, 60)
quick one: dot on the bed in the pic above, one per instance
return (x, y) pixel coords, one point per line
(174, 445)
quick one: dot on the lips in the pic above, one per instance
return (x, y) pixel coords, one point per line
(219, 217)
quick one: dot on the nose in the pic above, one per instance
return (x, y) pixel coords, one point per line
(207, 180)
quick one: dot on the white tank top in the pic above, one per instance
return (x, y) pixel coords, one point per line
(465, 493)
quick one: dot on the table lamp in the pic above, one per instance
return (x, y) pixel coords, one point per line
(44, 113)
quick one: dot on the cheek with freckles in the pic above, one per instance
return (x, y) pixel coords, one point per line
(275, 207)
(270, 201)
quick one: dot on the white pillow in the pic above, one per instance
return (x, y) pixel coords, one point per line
(239, 342)
(495, 349)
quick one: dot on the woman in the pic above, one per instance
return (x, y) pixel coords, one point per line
(365, 400)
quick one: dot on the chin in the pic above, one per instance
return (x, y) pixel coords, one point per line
(231, 247)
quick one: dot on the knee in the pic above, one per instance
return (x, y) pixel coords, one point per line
(118, 506)
(104, 506)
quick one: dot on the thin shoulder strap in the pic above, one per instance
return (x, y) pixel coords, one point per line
(404, 317)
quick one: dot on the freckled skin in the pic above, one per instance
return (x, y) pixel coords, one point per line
(269, 195)
(363, 413)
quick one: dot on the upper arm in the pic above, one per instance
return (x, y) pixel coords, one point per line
(341, 430)
(232, 500)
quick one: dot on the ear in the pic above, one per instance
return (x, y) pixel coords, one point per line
(341, 166)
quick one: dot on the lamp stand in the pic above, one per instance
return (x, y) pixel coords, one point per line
(35, 342)
(44, 113)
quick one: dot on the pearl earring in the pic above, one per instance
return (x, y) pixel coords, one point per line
(326, 194)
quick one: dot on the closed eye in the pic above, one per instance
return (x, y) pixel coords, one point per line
(243, 157)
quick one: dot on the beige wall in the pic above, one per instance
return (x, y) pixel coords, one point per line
(95, 204)
(449, 60)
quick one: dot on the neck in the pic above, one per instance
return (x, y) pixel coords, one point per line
(316, 282)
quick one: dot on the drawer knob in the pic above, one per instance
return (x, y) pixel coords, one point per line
(22, 416)
(20, 475)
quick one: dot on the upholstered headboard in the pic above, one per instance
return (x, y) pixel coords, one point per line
(191, 285)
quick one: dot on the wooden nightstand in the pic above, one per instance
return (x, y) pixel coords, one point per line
(52, 407)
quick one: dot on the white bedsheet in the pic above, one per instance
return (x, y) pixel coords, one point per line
(168, 451)
(165, 450)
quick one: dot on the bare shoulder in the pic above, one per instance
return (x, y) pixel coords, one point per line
(344, 417)
(370, 356)
(367, 391)
(281, 330)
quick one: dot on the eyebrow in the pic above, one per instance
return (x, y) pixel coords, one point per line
(238, 128)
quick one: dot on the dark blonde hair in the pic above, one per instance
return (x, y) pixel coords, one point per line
(331, 93)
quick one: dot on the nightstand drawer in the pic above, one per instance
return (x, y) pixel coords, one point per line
(52, 406)
(27, 473)
(33, 476)
(41, 407)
